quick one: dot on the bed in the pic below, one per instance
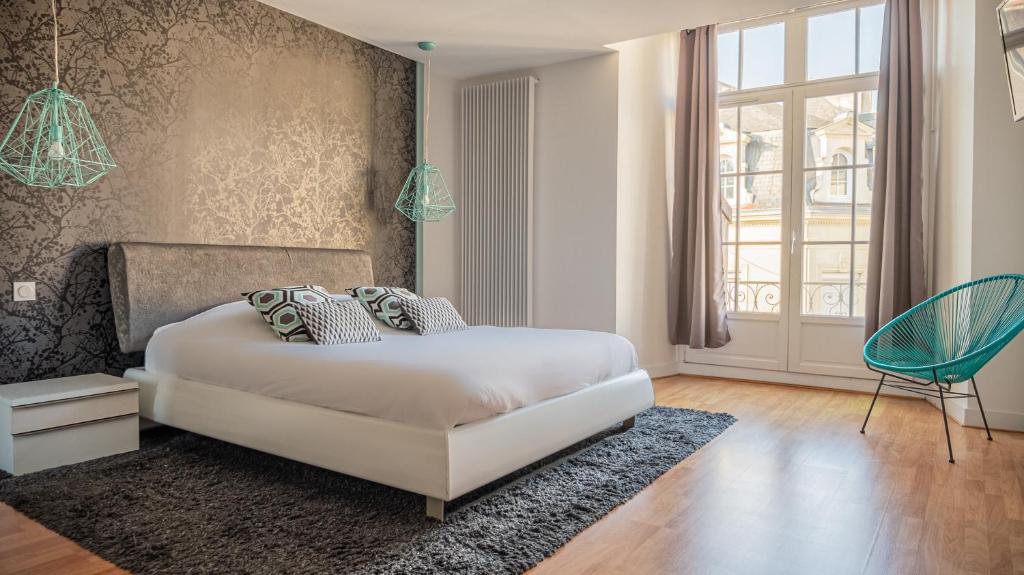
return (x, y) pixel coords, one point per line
(437, 415)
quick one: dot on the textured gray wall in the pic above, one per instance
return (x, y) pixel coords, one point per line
(231, 122)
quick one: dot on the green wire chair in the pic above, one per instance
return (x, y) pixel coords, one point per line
(946, 339)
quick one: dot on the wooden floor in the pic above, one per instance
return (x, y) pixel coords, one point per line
(791, 488)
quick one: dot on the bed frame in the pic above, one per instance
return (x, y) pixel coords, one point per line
(156, 284)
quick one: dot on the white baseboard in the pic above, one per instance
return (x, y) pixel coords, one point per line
(1004, 420)
(789, 378)
(971, 416)
(663, 369)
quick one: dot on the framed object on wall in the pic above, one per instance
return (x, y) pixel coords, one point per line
(1011, 24)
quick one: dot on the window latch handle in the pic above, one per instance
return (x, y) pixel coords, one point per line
(792, 242)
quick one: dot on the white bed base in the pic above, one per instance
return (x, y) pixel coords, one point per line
(440, 464)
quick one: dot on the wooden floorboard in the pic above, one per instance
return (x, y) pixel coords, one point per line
(791, 488)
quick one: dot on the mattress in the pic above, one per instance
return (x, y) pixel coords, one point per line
(436, 381)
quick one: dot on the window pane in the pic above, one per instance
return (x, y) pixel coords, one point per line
(726, 165)
(728, 61)
(871, 38)
(761, 137)
(826, 287)
(728, 131)
(829, 130)
(831, 45)
(758, 275)
(866, 115)
(761, 208)
(764, 56)
(860, 278)
(827, 210)
(728, 189)
(864, 186)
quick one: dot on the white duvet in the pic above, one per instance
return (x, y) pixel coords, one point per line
(435, 381)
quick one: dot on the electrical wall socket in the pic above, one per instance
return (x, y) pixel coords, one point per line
(24, 291)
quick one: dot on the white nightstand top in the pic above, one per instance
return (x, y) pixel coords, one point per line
(61, 388)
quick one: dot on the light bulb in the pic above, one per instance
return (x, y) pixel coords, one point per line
(56, 150)
(426, 193)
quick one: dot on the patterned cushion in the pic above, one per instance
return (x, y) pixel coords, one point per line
(433, 315)
(385, 303)
(278, 308)
(333, 322)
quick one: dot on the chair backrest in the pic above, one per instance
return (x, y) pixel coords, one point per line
(967, 324)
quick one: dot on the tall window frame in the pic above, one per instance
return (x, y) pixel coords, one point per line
(792, 94)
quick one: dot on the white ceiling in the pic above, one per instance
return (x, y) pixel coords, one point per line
(477, 37)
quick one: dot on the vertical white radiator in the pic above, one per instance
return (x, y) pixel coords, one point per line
(497, 202)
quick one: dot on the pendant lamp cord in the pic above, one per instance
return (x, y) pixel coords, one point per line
(56, 66)
(426, 112)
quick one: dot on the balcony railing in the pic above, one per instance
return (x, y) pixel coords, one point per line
(833, 299)
(754, 297)
(818, 298)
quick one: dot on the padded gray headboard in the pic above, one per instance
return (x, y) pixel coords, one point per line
(152, 285)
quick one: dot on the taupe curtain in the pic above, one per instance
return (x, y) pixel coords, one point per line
(896, 264)
(697, 292)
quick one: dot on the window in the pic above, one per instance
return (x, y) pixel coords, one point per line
(812, 73)
(752, 238)
(726, 165)
(839, 175)
(763, 60)
(840, 134)
(844, 43)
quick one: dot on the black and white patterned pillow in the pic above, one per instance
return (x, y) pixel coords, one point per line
(333, 322)
(385, 303)
(433, 315)
(277, 306)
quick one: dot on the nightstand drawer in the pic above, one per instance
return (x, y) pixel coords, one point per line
(36, 417)
(73, 444)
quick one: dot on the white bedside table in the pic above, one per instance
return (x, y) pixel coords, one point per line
(56, 422)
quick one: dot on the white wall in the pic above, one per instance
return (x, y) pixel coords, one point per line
(601, 204)
(646, 117)
(603, 138)
(954, 87)
(574, 192)
(997, 244)
(954, 158)
(440, 240)
(980, 186)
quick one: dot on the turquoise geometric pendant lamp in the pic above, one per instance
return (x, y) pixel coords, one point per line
(425, 196)
(53, 142)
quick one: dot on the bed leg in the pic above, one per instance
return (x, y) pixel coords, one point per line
(628, 424)
(435, 508)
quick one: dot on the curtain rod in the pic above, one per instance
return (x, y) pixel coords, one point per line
(784, 12)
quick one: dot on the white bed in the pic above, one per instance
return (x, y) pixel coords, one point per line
(434, 382)
(437, 415)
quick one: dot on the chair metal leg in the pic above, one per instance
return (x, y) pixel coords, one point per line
(945, 422)
(981, 409)
(873, 400)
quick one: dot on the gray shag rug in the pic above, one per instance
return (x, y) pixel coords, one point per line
(189, 504)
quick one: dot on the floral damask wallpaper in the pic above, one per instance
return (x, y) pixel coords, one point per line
(231, 123)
